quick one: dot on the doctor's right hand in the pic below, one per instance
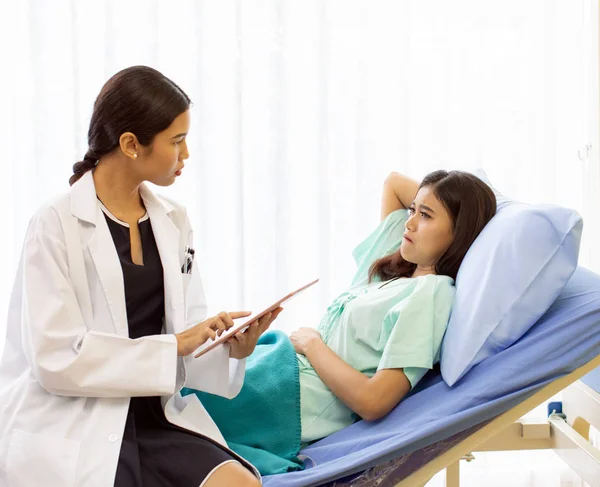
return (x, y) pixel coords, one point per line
(190, 339)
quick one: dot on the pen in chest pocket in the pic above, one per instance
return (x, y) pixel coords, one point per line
(188, 260)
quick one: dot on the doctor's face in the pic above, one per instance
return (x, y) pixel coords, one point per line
(428, 230)
(163, 161)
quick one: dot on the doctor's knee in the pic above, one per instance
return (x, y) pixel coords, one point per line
(232, 473)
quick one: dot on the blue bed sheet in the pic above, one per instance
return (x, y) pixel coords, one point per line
(593, 379)
(565, 338)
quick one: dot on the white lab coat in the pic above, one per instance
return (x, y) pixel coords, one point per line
(69, 366)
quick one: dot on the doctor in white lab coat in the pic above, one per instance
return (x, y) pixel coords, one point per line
(69, 368)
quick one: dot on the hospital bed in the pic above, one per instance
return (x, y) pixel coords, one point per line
(437, 426)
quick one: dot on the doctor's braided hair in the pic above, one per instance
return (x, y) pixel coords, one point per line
(140, 100)
(471, 204)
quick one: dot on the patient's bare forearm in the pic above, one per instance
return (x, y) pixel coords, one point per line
(369, 397)
(348, 384)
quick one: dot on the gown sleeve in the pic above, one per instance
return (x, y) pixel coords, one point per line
(418, 324)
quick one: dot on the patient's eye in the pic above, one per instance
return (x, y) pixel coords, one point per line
(425, 215)
(411, 210)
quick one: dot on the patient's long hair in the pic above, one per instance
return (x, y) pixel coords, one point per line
(471, 204)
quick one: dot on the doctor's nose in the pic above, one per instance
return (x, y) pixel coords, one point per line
(184, 153)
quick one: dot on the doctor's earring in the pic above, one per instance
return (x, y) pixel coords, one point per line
(135, 156)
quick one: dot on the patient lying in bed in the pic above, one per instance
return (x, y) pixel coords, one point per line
(379, 337)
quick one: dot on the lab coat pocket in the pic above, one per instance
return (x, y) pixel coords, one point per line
(186, 284)
(35, 459)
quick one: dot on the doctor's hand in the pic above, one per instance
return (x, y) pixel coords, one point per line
(190, 339)
(243, 344)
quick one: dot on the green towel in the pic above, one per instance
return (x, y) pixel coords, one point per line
(262, 423)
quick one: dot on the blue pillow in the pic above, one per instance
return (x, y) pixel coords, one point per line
(510, 276)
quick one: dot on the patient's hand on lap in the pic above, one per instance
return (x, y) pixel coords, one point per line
(303, 338)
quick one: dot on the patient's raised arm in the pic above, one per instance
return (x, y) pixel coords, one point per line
(398, 192)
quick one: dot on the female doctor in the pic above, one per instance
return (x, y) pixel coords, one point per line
(106, 311)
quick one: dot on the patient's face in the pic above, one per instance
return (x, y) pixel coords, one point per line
(428, 230)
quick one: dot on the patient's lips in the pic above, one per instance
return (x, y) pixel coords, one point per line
(407, 239)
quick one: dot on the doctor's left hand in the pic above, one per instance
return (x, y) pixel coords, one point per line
(243, 344)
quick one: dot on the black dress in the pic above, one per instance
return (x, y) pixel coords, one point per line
(154, 452)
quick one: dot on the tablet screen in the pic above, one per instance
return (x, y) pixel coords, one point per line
(252, 319)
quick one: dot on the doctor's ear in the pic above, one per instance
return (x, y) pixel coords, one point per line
(130, 146)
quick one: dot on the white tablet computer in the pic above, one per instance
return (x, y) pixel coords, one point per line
(250, 321)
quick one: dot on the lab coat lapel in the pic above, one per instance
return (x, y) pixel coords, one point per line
(106, 260)
(84, 205)
(167, 238)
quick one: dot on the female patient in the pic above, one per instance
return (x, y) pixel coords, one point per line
(379, 337)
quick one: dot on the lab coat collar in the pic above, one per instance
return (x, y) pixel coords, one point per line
(84, 204)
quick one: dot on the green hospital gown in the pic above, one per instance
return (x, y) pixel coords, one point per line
(398, 326)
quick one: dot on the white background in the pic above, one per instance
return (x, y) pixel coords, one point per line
(301, 108)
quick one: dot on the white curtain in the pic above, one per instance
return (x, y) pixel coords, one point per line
(300, 111)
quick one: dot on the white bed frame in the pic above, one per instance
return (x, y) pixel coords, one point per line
(507, 432)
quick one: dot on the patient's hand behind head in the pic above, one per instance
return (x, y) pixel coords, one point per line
(448, 213)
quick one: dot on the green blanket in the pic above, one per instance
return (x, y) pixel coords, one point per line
(262, 423)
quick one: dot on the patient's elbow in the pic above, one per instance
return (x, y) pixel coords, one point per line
(378, 406)
(375, 415)
(374, 411)
(372, 416)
